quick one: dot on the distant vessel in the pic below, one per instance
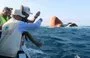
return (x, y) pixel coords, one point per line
(55, 22)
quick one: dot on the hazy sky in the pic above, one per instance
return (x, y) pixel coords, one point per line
(77, 11)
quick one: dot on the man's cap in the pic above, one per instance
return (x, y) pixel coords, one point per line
(7, 8)
(26, 9)
(18, 12)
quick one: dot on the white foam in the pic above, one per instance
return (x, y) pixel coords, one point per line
(30, 51)
(35, 51)
(76, 56)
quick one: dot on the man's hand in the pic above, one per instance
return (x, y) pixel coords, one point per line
(37, 14)
(41, 19)
(38, 44)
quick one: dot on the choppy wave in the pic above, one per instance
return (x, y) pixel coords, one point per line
(62, 42)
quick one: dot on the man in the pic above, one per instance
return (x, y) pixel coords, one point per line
(12, 32)
(5, 16)
(26, 12)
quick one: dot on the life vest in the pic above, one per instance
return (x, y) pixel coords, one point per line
(10, 38)
(3, 20)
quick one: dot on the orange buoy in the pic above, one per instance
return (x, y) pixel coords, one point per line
(55, 22)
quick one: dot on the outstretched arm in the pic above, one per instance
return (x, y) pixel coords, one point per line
(35, 17)
(38, 44)
(29, 26)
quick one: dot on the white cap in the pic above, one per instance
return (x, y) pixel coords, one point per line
(18, 12)
(26, 9)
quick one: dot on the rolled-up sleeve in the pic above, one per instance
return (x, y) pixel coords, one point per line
(28, 26)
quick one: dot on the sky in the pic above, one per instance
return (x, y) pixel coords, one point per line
(77, 11)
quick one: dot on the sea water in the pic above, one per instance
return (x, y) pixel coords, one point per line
(61, 42)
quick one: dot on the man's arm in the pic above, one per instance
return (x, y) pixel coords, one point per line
(35, 17)
(0, 27)
(38, 44)
(29, 26)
